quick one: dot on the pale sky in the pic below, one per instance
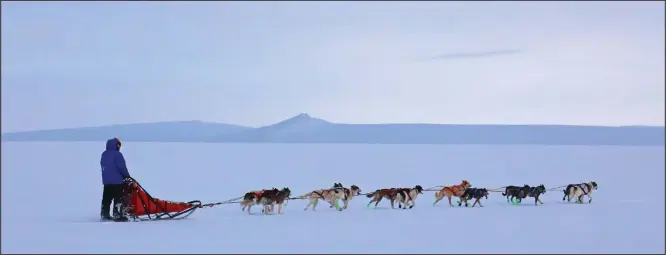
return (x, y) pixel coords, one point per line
(255, 63)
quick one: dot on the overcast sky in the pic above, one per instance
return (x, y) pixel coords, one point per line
(255, 63)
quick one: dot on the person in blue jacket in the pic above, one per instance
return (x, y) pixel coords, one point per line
(114, 172)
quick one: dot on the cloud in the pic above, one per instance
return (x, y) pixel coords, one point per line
(463, 55)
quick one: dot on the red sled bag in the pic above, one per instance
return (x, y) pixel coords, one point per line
(139, 205)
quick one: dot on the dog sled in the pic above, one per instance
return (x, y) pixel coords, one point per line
(139, 205)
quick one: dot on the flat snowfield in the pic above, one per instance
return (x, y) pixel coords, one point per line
(51, 195)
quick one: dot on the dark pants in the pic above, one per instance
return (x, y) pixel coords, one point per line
(112, 192)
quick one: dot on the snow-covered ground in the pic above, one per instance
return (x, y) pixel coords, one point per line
(51, 198)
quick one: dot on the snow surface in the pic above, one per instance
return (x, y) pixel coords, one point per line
(51, 195)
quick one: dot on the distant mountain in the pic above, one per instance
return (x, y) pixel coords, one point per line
(306, 129)
(287, 130)
(177, 131)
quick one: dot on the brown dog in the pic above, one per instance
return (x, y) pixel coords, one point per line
(380, 194)
(451, 191)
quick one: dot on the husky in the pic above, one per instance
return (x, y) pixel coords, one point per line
(578, 191)
(250, 199)
(511, 192)
(271, 197)
(404, 196)
(473, 193)
(535, 192)
(331, 196)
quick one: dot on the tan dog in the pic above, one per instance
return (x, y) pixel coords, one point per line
(347, 195)
(404, 196)
(331, 196)
(578, 191)
(323, 194)
(450, 191)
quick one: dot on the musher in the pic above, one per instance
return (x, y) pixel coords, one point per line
(114, 172)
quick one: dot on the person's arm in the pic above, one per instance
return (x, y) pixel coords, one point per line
(122, 167)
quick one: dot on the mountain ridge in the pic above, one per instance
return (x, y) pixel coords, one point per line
(304, 128)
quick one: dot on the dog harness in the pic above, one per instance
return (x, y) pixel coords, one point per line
(583, 188)
(453, 188)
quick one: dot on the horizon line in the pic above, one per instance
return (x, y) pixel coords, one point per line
(338, 123)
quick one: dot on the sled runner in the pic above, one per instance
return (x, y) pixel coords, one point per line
(138, 205)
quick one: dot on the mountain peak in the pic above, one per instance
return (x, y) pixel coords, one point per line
(301, 119)
(302, 116)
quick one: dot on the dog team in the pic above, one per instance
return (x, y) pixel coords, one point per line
(268, 198)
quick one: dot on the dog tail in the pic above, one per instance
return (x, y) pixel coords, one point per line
(371, 194)
(438, 194)
(304, 195)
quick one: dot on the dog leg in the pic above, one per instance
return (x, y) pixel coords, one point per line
(590, 196)
(337, 205)
(379, 199)
(404, 202)
(449, 197)
(476, 202)
(370, 202)
(437, 199)
(309, 204)
(314, 205)
(333, 201)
